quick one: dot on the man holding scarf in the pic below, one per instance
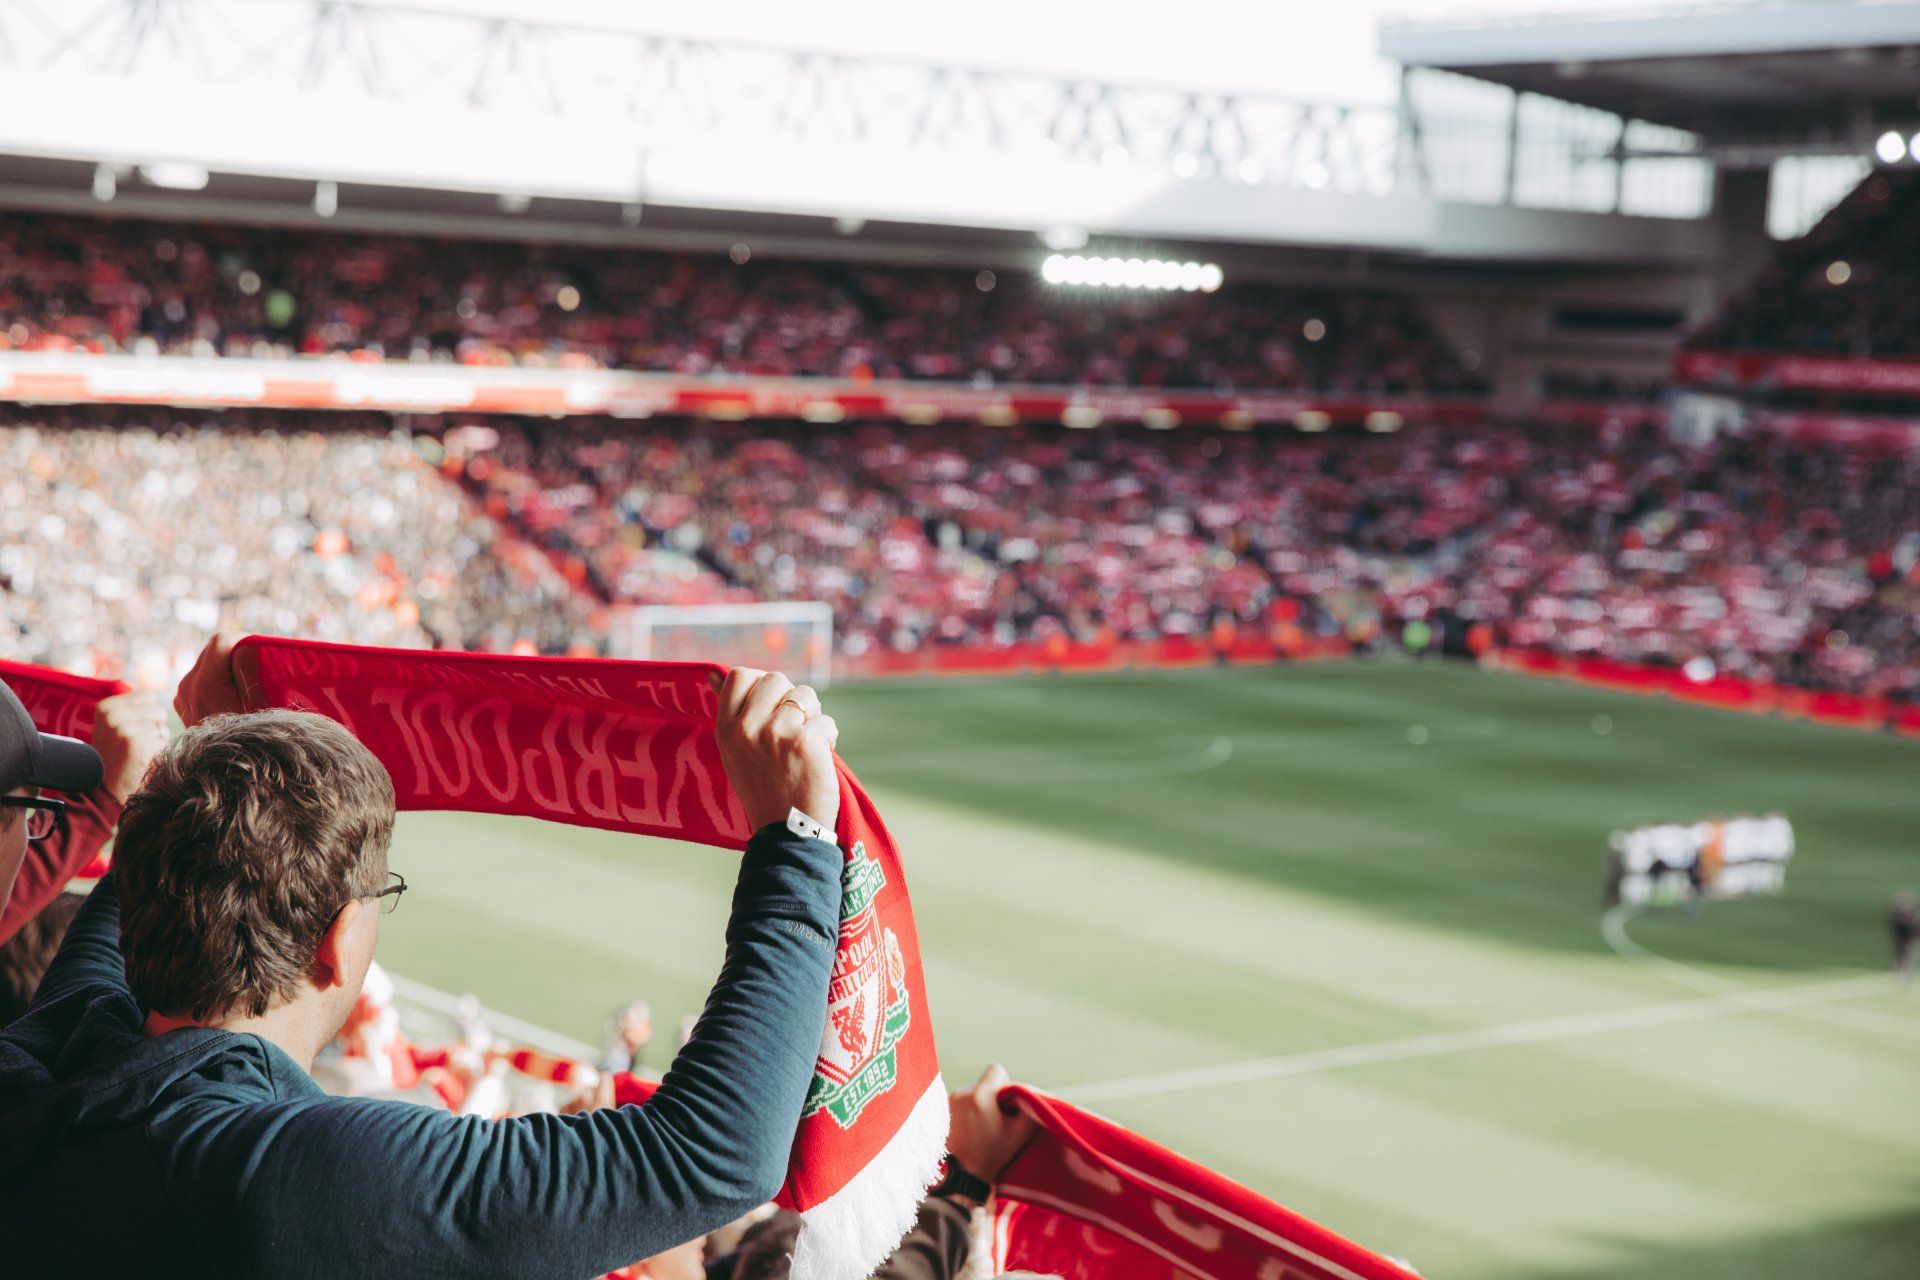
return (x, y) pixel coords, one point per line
(163, 1069)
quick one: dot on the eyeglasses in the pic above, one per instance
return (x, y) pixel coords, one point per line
(389, 897)
(43, 813)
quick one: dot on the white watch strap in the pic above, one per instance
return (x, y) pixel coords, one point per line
(801, 825)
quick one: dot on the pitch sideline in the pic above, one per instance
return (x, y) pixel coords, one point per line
(1437, 1044)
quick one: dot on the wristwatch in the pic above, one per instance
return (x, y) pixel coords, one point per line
(802, 825)
(958, 1182)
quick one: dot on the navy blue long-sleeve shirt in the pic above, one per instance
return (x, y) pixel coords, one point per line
(204, 1152)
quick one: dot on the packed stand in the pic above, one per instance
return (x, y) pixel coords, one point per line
(127, 536)
(1846, 288)
(143, 287)
(1761, 557)
(1767, 558)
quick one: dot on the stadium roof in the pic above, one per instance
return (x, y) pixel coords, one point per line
(1816, 75)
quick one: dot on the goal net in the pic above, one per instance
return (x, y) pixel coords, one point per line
(794, 638)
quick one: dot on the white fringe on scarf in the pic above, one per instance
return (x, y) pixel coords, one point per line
(849, 1234)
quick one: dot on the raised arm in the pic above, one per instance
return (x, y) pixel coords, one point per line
(582, 1194)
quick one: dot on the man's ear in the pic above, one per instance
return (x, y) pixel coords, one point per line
(330, 958)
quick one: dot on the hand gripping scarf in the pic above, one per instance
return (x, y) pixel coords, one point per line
(57, 701)
(1088, 1200)
(628, 746)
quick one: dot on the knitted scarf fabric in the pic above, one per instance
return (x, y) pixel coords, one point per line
(1088, 1200)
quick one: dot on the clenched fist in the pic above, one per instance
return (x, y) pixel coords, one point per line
(218, 683)
(777, 747)
(129, 729)
(983, 1138)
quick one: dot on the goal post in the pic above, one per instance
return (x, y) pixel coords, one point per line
(794, 637)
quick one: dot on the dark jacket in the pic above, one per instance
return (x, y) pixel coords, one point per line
(936, 1248)
(207, 1153)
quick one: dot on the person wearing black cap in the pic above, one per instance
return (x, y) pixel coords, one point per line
(129, 729)
(32, 762)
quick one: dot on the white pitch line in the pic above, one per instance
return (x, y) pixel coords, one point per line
(1436, 1044)
(504, 1023)
(1613, 927)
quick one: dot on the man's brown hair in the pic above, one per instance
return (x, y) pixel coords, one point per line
(249, 835)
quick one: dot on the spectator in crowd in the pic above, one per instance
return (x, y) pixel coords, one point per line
(25, 956)
(32, 762)
(162, 1068)
(129, 729)
(628, 1033)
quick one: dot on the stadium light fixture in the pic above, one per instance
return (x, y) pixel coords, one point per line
(105, 184)
(326, 198)
(1913, 146)
(1252, 171)
(1186, 165)
(175, 175)
(1315, 175)
(1064, 239)
(1890, 147)
(1132, 273)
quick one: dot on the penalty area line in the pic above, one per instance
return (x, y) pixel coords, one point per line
(1441, 1043)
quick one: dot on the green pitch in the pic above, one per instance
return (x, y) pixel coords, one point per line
(1336, 931)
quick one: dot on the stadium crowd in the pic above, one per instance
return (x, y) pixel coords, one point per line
(1846, 288)
(1768, 558)
(101, 285)
(1763, 557)
(125, 538)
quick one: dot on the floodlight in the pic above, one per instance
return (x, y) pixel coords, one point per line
(1890, 147)
(1186, 164)
(1211, 277)
(175, 175)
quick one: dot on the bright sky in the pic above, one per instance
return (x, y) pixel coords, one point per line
(1315, 50)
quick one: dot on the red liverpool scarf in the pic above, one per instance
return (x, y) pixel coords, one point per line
(1088, 1200)
(58, 701)
(629, 746)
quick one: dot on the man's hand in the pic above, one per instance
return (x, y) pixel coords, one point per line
(129, 729)
(218, 683)
(982, 1138)
(777, 747)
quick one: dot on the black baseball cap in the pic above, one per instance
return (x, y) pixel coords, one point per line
(30, 758)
